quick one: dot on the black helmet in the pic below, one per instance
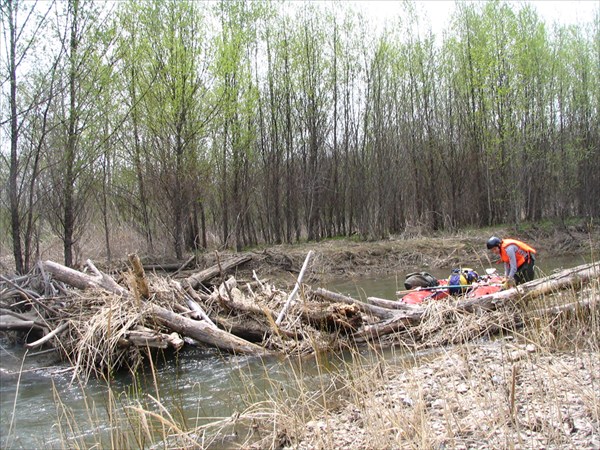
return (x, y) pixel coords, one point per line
(493, 242)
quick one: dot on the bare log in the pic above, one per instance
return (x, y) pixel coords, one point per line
(145, 337)
(551, 284)
(26, 317)
(197, 279)
(201, 331)
(293, 293)
(8, 323)
(250, 330)
(566, 279)
(376, 311)
(399, 322)
(81, 280)
(391, 304)
(198, 310)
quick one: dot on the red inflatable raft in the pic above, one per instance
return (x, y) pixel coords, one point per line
(485, 286)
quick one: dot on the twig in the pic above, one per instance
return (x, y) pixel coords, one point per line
(29, 297)
(184, 265)
(49, 336)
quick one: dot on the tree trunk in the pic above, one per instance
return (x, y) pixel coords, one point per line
(197, 279)
(203, 332)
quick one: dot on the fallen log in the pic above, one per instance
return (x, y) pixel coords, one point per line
(382, 313)
(197, 279)
(391, 304)
(24, 317)
(145, 337)
(81, 280)
(203, 332)
(397, 323)
(10, 323)
(566, 279)
(563, 280)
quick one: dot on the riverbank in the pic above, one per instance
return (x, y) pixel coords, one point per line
(476, 394)
(347, 258)
(539, 388)
(493, 395)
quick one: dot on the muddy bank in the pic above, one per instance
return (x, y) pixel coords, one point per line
(347, 258)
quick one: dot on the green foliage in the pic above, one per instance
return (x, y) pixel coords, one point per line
(284, 122)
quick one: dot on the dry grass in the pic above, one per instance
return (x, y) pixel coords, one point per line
(537, 388)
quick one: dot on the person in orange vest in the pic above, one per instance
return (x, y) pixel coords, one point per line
(518, 258)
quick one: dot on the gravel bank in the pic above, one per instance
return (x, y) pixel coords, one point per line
(496, 395)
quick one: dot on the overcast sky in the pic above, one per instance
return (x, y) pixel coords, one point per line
(438, 11)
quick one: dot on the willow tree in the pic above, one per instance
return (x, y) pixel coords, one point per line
(235, 132)
(74, 117)
(472, 72)
(134, 81)
(165, 74)
(575, 173)
(28, 103)
(312, 102)
(271, 144)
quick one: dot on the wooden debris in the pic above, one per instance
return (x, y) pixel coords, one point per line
(98, 323)
(197, 279)
(141, 288)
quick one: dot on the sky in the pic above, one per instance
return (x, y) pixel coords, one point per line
(565, 12)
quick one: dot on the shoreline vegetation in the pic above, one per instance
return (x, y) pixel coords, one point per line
(506, 378)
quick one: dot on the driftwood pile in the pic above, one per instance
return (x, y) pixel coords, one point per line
(100, 323)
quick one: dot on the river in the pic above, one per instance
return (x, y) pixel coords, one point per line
(201, 384)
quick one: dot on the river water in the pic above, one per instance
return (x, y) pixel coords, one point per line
(201, 384)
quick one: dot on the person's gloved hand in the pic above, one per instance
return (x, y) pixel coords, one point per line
(508, 283)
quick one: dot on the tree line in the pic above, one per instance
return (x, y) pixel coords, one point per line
(235, 123)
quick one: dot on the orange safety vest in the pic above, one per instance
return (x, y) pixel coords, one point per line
(522, 256)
